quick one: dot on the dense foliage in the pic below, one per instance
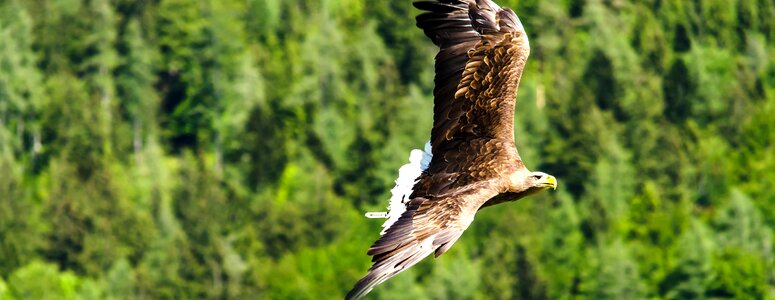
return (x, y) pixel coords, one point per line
(228, 148)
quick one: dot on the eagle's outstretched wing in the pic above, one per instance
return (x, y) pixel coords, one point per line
(482, 51)
(426, 226)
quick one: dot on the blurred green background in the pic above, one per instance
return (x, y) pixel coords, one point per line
(214, 149)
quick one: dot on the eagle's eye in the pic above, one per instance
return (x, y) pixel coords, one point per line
(537, 176)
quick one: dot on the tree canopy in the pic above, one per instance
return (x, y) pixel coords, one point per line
(181, 149)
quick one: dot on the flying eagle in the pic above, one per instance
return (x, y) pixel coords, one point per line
(471, 160)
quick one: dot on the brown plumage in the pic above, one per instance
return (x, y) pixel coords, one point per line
(482, 52)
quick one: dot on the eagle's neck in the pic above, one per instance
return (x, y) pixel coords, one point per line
(516, 187)
(517, 180)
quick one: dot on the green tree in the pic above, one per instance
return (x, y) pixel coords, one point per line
(614, 274)
(20, 100)
(39, 280)
(692, 273)
(135, 86)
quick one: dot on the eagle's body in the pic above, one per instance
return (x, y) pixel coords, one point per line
(473, 158)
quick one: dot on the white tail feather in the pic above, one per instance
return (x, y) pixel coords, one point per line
(376, 215)
(407, 176)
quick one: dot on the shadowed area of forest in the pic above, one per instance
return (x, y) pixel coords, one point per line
(214, 149)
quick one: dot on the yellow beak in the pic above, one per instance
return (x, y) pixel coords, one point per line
(550, 182)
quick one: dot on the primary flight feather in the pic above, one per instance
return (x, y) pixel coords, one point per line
(473, 161)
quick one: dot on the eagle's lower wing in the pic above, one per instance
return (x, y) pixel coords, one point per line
(428, 225)
(482, 52)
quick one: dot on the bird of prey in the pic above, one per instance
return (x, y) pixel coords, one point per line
(471, 160)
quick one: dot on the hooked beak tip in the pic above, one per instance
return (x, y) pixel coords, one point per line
(552, 182)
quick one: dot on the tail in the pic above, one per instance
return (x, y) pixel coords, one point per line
(365, 285)
(387, 267)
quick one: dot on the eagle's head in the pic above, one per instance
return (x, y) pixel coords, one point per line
(541, 181)
(532, 182)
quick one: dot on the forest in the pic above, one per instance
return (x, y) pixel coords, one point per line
(227, 149)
